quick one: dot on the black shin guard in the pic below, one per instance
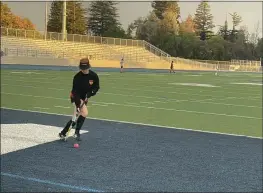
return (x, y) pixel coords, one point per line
(66, 128)
(80, 122)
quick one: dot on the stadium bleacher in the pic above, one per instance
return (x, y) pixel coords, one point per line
(103, 51)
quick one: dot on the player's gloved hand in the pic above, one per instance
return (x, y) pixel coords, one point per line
(90, 94)
(71, 97)
(86, 101)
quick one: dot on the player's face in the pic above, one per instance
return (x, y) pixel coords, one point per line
(85, 71)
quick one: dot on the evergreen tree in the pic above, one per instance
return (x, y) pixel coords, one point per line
(55, 17)
(75, 21)
(103, 18)
(236, 20)
(76, 18)
(203, 20)
(224, 32)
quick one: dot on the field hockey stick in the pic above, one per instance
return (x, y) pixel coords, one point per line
(77, 116)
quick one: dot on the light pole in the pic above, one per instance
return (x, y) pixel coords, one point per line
(46, 20)
(64, 16)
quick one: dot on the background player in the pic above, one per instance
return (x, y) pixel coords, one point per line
(217, 70)
(172, 67)
(85, 85)
(121, 63)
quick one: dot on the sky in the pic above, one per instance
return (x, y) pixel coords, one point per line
(250, 11)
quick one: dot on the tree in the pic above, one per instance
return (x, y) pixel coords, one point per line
(116, 32)
(155, 30)
(243, 35)
(168, 11)
(224, 32)
(203, 20)
(27, 24)
(6, 15)
(134, 26)
(187, 45)
(236, 20)
(254, 37)
(76, 18)
(76, 22)
(216, 45)
(130, 30)
(188, 25)
(159, 7)
(55, 17)
(188, 42)
(148, 28)
(259, 48)
(10, 20)
(169, 22)
(103, 17)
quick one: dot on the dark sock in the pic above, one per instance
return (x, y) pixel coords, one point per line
(73, 123)
(80, 122)
(66, 128)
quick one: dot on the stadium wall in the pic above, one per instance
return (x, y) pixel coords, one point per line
(160, 65)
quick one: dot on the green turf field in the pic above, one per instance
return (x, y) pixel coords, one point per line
(148, 98)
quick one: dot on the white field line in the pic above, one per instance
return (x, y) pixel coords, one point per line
(26, 72)
(164, 74)
(131, 103)
(148, 107)
(235, 98)
(205, 101)
(179, 93)
(40, 108)
(140, 124)
(33, 73)
(130, 89)
(144, 80)
(160, 101)
(146, 102)
(220, 90)
(103, 105)
(115, 79)
(145, 74)
(234, 74)
(247, 83)
(112, 82)
(62, 107)
(104, 74)
(29, 86)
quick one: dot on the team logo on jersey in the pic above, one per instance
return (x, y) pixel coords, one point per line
(91, 82)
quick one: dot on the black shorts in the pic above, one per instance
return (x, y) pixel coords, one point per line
(73, 101)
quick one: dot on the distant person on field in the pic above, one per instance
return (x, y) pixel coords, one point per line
(217, 69)
(172, 67)
(121, 63)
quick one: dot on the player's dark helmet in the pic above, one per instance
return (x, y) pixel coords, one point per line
(84, 64)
